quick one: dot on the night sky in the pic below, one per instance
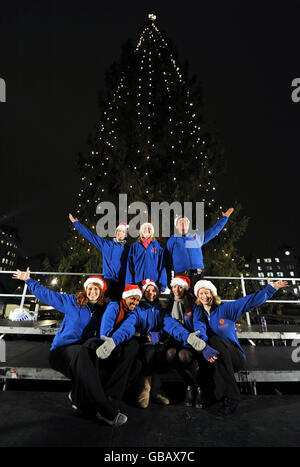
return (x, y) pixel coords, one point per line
(53, 57)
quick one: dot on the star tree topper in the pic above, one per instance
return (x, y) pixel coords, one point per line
(152, 16)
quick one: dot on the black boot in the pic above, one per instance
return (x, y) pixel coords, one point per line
(199, 400)
(189, 396)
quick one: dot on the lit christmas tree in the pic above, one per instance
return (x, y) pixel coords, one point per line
(152, 144)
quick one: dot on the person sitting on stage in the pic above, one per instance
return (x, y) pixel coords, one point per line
(183, 358)
(220, 318)
(114, 317)
(114, 256)
(72, 352)
(184, 250)
(124, 356)
(146, 259)
(152, 353)
(148, 317)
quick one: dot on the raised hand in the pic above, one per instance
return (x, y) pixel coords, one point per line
(278, 284)
(228, 212)
(72, 219)
(23, 276)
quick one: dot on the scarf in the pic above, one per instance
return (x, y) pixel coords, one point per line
(121, 242)
(122, 313)
(178, 310)
(145, 242)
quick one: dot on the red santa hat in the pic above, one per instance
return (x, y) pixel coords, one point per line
(182, 281)
(123, 225)
(131, 290)
(96, 280)
(147, 282)
(203, 284)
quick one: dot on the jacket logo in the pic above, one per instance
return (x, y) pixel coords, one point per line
(188, 315)
(222, 324)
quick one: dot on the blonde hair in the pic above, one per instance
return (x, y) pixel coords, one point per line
(216, 299)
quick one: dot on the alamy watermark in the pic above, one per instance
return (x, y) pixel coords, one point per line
(296, 92)
(2, 90)
(2, 350)
(159, 216)
(296, 352)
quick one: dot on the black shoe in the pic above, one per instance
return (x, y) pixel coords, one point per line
(199, 401)
(229, 407)
(189, 396)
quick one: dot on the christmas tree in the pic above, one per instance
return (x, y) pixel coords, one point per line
(152, 144)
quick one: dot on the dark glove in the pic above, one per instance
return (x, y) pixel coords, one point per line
(208, 352)
(153, 337)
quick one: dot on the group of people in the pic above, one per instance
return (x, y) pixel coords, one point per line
(116, 334)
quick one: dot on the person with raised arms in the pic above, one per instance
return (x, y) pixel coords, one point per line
(73, 350)
(184, 250)
(114, 255)
(219, 319)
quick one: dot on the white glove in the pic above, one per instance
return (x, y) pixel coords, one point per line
(196, 342)
(105, 349)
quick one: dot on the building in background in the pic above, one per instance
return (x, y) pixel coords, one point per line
(9, 248)
(283, 264)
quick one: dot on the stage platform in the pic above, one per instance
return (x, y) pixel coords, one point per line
(27, 358)
(45, 419)
(35, 410)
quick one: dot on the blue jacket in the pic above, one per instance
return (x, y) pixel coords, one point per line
(222, 318)
(184, 252)
(109, 317)
(148, 317)
(191, 323)
(75, 319)
(146, 263)
(114, 255)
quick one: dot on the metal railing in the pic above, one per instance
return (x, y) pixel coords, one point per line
(240, 278)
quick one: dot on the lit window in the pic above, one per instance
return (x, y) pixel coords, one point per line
(277, 260)
(258, 260)
(261, 274)
(267, 260)
(292, 273)
(280, 274)
(259, 268)
(270, 274)
(296, 291)
(262, 282)
(287, 252)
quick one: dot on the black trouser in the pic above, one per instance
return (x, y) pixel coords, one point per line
(153, 358)
(122, 369)
(189, 364)
(79, 362)
(230, 360)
